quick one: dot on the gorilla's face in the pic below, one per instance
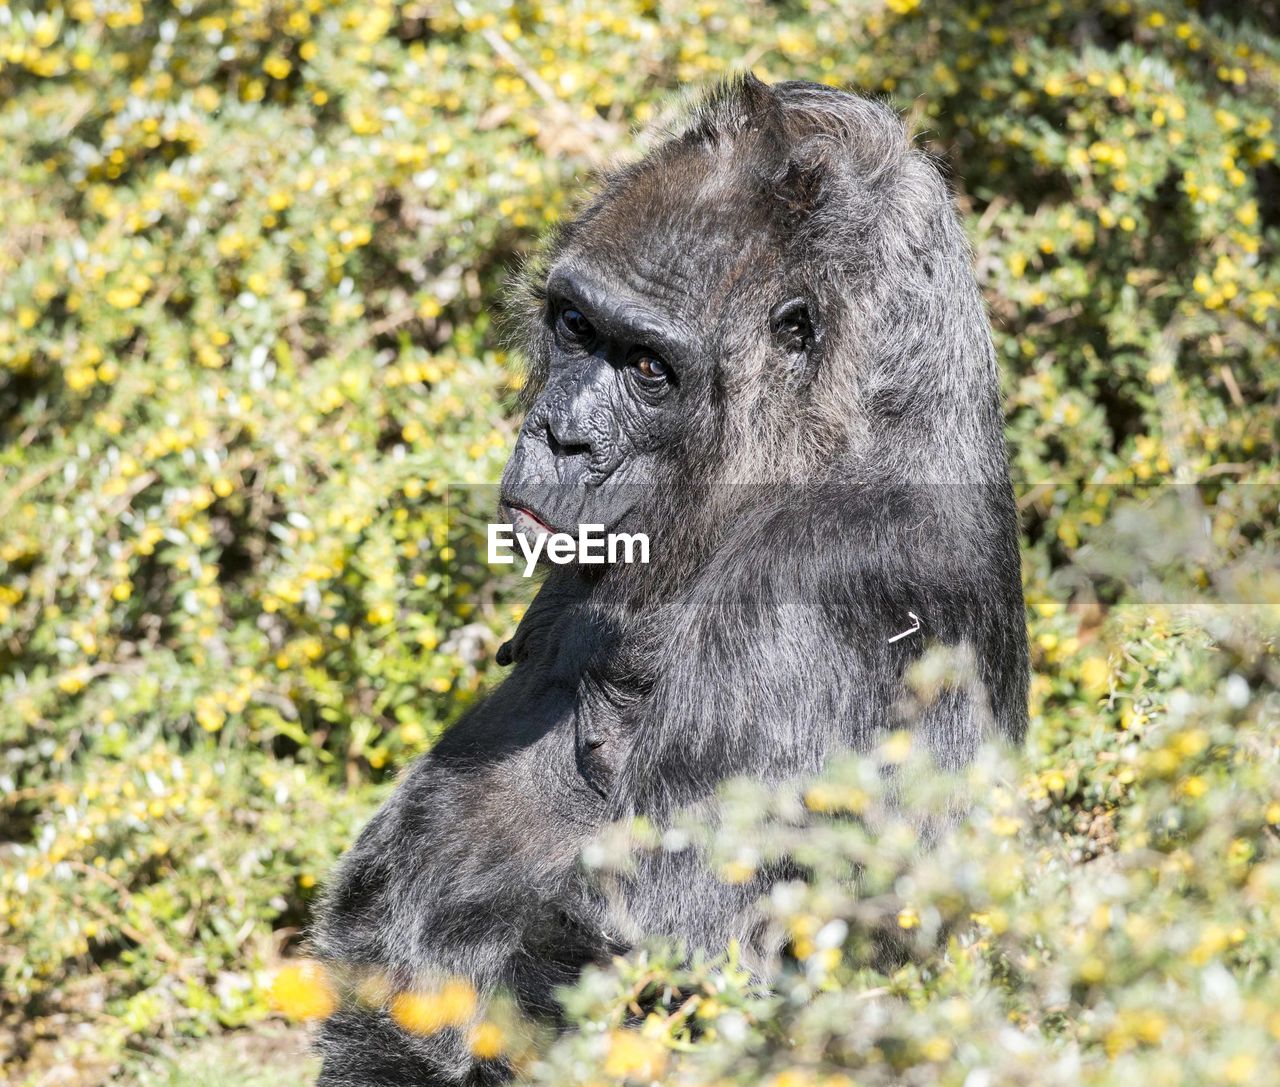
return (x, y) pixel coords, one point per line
(623, 369)
(653, 298)
(626, 335)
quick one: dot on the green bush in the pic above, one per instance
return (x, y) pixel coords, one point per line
(1109, 919)
(248, 269)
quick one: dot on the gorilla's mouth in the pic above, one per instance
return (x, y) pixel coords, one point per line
(546, 509)
(524, 520)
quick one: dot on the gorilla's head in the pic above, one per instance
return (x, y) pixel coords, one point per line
(777, 292)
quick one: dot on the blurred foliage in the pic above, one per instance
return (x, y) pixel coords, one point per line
(248, 265)
(1153, 963)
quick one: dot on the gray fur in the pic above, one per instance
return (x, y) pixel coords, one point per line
(805, 486)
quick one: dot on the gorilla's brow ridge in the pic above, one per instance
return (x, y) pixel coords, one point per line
(624, 319)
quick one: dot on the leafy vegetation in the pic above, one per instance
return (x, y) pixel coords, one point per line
(248, 267)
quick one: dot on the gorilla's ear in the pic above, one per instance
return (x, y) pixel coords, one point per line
(799, 187)
(795, 328)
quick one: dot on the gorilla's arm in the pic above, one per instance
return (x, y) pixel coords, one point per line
(469, 870)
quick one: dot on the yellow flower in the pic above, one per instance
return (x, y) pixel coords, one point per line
(1006, 825)
(897, 748)
(487, 1041)
(1240, 1068)
(937, 1048)
(1191, 743)
(1194, 787)
(452, 1005)
(834, 798)
(1094, 675)
(633, 1056)
(302, 991)
(123, 297)
(1092, 970)
(210, 716)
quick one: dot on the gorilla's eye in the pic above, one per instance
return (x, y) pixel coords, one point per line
(792, 326)
(574, 325)
(651, 368)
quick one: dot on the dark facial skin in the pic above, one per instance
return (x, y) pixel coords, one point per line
(620, 370)
(632, 332)
(637, 325)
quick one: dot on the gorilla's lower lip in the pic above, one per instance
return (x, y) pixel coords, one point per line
(516, 514)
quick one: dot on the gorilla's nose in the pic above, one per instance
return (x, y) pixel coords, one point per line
(565, 441)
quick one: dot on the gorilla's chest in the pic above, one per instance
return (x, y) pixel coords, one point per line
(584, 678)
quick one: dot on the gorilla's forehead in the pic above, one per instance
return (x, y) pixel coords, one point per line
(672, 239)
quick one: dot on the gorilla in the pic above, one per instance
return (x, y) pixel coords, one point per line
(762, 343)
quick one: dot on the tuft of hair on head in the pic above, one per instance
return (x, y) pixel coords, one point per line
(807, 145)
